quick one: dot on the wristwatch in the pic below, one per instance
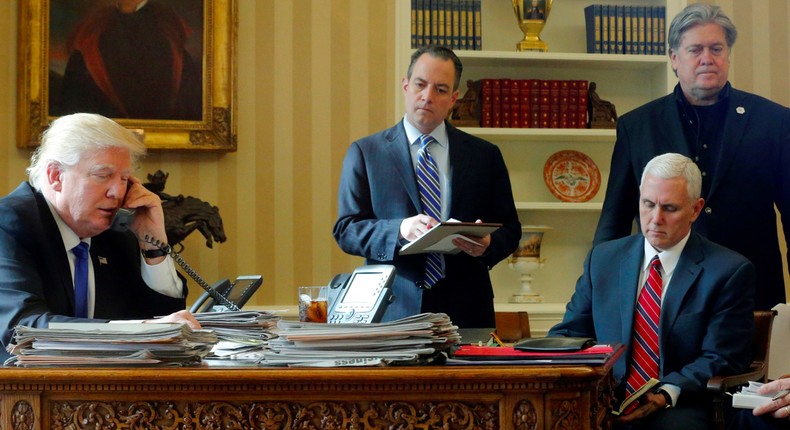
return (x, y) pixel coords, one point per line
(154, 253)
(666, 395)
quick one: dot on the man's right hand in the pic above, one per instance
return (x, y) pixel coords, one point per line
(652, 403)
(416, 226)
(183, 316)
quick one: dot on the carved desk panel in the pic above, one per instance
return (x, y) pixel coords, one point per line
(435, 397)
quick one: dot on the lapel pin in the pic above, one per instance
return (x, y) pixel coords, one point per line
(741, 110)
(102, 260)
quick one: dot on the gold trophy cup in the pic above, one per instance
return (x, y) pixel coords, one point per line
(531, 16)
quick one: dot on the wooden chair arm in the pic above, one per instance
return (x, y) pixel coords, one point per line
(721, 384)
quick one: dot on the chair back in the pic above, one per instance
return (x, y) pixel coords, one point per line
(761, 343)
(512, 326)
(718, 385)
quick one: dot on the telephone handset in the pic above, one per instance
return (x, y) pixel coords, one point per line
(362, 296)
(122, 219)
(124, 216)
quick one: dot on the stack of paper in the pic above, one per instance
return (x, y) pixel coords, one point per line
(415, 339)
(748, 398)
(242, 335)
(100, 344)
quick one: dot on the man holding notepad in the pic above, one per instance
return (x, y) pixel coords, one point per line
(399, 183)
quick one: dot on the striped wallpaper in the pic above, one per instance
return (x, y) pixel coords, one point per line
(313, 76)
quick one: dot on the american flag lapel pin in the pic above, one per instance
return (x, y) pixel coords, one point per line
(102, 260)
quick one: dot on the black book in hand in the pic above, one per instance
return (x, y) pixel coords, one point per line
(636, 398)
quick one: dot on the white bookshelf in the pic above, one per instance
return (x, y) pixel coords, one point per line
(628, 81)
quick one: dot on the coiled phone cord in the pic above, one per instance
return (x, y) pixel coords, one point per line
(191, 272)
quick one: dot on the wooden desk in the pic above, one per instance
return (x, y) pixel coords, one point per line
(436, 397)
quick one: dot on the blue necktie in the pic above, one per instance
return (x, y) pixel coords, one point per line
(430, 197)
(81, 280)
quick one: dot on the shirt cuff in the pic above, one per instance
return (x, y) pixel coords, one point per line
(673, 391)
(162, 277)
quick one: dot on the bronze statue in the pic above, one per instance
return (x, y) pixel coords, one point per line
(602, 113)
(466, 111)
(183, 215)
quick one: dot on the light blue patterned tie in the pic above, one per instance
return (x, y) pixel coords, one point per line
(81, 280)
(430, 197)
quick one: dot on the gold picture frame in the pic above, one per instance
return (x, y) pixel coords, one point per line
(213, 131)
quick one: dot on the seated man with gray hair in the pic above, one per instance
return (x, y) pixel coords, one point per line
(681, 304)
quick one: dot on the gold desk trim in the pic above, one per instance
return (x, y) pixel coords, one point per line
(431, 397)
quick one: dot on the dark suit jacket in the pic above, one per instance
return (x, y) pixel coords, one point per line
(36, 284)
(378, 189)
(706, 321)
(753, 174)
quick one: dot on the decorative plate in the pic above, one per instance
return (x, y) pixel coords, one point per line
(572, 176)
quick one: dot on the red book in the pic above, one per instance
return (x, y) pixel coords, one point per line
(505, 101)
(496, 104)
(554, 104)
(597, 354)
(515, 104)
(582, 112)
(573, 104)
(573, 118)
(565, 88)
(544, 108)
(486, 96)
(524, 103)
(534, 102)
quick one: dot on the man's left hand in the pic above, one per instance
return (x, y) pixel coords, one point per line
(471, 248)
(652, 403)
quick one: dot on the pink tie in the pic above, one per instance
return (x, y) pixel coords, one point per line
(644, 358)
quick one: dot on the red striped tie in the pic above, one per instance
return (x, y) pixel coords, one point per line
(644, 358)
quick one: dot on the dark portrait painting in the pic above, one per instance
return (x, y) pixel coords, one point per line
(535, 9)
(139, 59)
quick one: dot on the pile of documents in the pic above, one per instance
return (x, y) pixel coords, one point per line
(749, 398)
(411, 340)
(243, 335)
(100, 344)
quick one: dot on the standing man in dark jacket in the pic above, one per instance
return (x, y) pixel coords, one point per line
(380, 207)
(740, 141)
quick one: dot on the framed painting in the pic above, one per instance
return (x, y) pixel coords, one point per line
(165, 68)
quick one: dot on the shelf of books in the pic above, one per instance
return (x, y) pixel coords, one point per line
(559, 206)
(497, 135)
(625, 29)
(560, 59)
(623, 80)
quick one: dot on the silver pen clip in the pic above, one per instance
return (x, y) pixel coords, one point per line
(780, 394)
